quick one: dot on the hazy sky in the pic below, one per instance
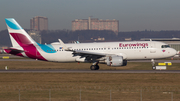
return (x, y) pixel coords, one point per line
(133, 15)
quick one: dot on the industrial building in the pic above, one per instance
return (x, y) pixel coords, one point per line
(95, 24)
(39, 23)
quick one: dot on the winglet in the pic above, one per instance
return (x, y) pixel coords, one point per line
(64, 46)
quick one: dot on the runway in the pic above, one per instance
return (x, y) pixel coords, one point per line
(159, 61)
(89, 71)
(16, 58)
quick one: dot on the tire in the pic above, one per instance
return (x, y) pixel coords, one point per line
(154, 67)
(94, 67)
(97, 67)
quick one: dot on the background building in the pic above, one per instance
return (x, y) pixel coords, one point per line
(39, 23)
(35, 35)
(95, 24)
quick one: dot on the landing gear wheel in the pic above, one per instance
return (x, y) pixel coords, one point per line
(94, 67)
(154, 68)
(97, 67)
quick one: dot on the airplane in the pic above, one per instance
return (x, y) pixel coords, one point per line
(113, 54)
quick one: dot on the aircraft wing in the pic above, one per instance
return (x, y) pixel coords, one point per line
(90, 56)
(83, 53)
(87, 54)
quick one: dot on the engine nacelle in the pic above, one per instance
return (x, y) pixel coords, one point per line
(115, 61)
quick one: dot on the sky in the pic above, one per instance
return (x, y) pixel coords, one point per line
(133, 15)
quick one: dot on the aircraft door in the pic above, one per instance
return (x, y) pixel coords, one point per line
(152, 47)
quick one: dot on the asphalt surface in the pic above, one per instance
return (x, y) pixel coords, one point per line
(89, 71)
(159, 61)
(17, 58)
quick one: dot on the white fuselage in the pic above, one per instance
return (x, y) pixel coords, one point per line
(129, 50)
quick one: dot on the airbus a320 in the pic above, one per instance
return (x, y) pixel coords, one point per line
(110, 53)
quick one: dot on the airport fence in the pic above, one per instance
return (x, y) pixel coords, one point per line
(90, 93)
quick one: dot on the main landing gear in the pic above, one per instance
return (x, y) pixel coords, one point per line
(153, 62)
(95, 66)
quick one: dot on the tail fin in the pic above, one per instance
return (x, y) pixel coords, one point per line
(18, 35)
(23, 44)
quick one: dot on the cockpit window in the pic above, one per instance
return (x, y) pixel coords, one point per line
(165, 46)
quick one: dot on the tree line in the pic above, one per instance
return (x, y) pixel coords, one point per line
(68, 36)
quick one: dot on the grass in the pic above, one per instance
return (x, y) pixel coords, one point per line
(66, 86)
(93, 86)
(88, 79)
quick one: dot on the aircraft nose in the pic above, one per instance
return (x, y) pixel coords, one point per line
(173, 52)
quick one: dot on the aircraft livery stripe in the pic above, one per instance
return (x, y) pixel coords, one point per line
(20, 38)
(13, 24)
(47, 48)
(29, 48)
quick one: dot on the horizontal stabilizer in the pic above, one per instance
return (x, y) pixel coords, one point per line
(13, 51)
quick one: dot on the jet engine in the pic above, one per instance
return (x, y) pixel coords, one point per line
(115, 61)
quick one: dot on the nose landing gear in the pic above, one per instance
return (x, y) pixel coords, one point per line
(153, 63)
